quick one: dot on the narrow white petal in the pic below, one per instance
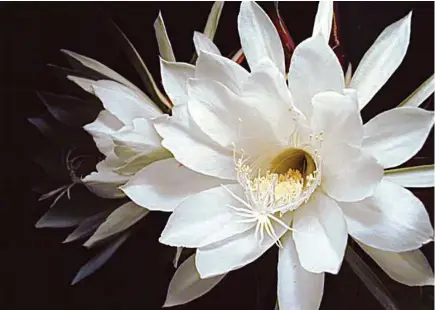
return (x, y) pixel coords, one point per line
(337, 117)
(186, 285)
(348, 75)
(205, 218)
(119, 220)
(235, 252)
(164, 184)
(101, 129)
(105, 183)
(349, 173)
(221, 69)
(396, 135)
(85, 84)
(204, 44)
(191, 147)
(420, 94)
(314, 68)
(323, 20)
(259, 37)
(393, 219)
(418, 176)
(123, 102)
(410, 268)
(174, 80)
(165, 47)
(100, 68)
(320, 232)
(298, 289)
(381, 60)
(213, 19)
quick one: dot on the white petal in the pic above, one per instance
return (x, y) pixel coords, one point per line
(186, 285)
(259, 37)
(349, 173)
(396, 135)
(410, 268)
(213, 19)
(191, 147)
(418, 176)
(85, 84)
(123, 102)
(323, 20)
(101, 129)
(348, 75)
(230, 120)
(165, 47)
(381, 60)
(100, 68)
(141, 137)
(205, 218)
(320, 234)
(164, 184)
(174, 80)
(393, 219)
(105, 183)
(314, 68)
(221, 69)
(204, 44)
(298, 289)
(420, 94)
(119, 220)
(236, 252)
(337, 117)
(266, 91)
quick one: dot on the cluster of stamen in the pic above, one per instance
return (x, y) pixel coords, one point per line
(269, 195)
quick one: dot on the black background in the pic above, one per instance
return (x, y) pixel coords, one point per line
(36, 268)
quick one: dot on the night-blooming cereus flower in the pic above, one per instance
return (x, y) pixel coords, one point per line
(296, 166)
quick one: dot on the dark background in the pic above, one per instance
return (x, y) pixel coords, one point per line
(36, 268)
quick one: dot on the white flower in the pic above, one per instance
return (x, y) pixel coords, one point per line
(295, 164)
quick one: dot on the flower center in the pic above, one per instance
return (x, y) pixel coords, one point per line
(288, 182)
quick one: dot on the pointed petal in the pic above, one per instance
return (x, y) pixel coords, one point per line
(396, 135)
(410, 268)
(323, 20)
(314, 68)
(100, 68)
(101, 129)
(320, 231)
(420, 94)
(221, 69)
(213, 19)
(165, 47)
(235, 252)
(186, 285)
(105, 183)
(191, 147)
(381, 60)
(295, 283)
(204, 44)
(123, 102)
(174, 80)
(164, 184)
(224, 116)
(193, 225)
(349, 173)
(259, 37)
(119, 220)
(393, 219)
(418, 176)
